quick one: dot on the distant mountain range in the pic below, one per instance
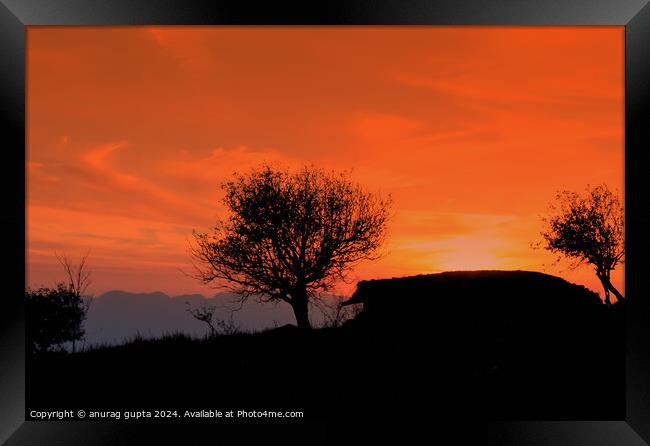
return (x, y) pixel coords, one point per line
(118, 315)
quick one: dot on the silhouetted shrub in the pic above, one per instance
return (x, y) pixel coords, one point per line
(54, 316)
(217, 326)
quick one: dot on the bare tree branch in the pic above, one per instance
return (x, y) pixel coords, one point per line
(77, 277)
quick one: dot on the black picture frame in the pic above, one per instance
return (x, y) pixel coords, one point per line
(634, 15)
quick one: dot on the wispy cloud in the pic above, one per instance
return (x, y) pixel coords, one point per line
(220, 163)
(131, 130)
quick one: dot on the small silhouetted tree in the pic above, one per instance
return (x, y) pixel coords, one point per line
(290, 235)
(205, 313)
(589, 230)
(56, 315)
(78, 281)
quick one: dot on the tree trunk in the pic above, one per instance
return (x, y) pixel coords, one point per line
(617, 293)
(299, 303)
(603, 282)
(607, 286)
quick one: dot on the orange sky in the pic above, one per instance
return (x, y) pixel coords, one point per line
(471, 129)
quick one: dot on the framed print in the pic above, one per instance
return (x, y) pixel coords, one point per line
(225, 215)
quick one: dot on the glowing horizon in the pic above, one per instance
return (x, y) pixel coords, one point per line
(472, 130)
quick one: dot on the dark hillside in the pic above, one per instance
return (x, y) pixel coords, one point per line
(530, 339)
(508, 296)
(488, 344)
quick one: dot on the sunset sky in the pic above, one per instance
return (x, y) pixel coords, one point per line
(472, 130)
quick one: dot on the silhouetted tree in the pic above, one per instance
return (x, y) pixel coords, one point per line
(589, 230)
(78, 280)
(217, 326)
(205, 314)
(56, 315)
(290, 236)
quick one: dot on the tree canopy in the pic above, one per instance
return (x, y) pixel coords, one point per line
(589, 230)
(290, 235)
(54, 316)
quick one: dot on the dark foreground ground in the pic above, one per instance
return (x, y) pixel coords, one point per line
(497, 362)
(341, 373)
